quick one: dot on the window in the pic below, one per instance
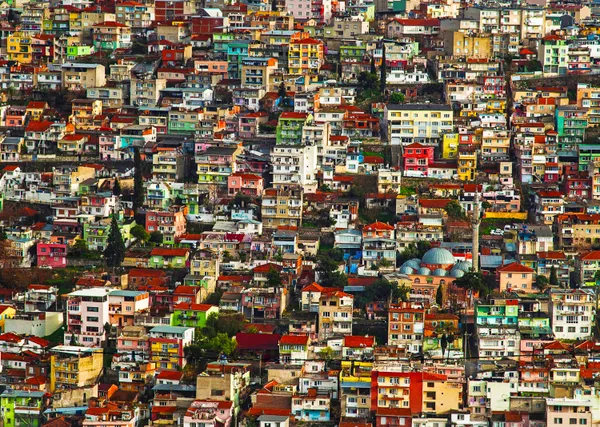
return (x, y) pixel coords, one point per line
(93, 309)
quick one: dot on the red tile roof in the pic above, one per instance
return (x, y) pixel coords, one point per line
(169, 252)
(378, 226)
(250, 341)
(358, 341)
(193, 307)
(170, 375)
(293, 115)
(265, 268)
(515, 267)
(590, 256)
(294, 340)
(434, 203)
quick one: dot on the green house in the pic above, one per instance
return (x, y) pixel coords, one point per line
(352, 53)
(192, 315)
(74, 52)
(169, 258)
(289, 127)
(96, 234)
(22, 408)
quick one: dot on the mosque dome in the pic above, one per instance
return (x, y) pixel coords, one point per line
(407, 270)
(424, 271)
(457, 273)
(415, 264)
(438, 256)
(465, 266)
(439, 272)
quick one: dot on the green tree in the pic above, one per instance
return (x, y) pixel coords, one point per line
(156, 237)
(397, 98)
(455, 211)
(383, 70)
(373, 68)
(221, 343)
(367, 81)
(473, 281)
(439, 296)
(140, 233)
(329, 274)
(138, 181)
(541, 282)
(327, 354)
(553, 276)
(443, 344)
(115, 247)
(281, 92)
(3, 235)
(274, 278)
(117, 187)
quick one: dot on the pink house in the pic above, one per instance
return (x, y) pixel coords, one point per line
(245, 183)
(52, 255)
(417, 158)
(133, 338)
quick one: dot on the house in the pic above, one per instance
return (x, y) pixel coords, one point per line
(51, 255)
(191, 314)
(210, 413)
(335, 314)
(245, 183)
(378, 245)
(516, 277)
(169, 258)
(293, 349)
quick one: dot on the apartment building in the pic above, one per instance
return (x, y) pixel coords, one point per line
(404, 124)
(406, 326)
(168, 164)
(335, 314)
(87, 313)
(77, 76)
(294, 165)
(74, 367)
(572, 313)
(496, 326)
(282, 207)
(145, 92)
(167, 344)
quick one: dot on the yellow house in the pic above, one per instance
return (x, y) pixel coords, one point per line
(73, 366)
(35, 109)
(467, 164)
(495, 142)
(355, 388)
(459, 44)
(18, 47)
(495, 105)
(6, 312)
(305, 55)
(450, 146)
(405, 124)
(441, 396)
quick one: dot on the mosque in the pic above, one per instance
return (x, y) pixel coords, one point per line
(438, 262)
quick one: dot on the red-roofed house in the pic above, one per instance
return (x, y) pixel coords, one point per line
(516, 277)
(357, 347)
(169, 258)
(191, 314)
(379, 245)
(261, 272)
(213, 413)
(401, 27)
(255, 344)
(311, 294)
(548, 205)
(293, 349)
(169, 377)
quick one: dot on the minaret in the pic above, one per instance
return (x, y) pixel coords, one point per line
(475, 222)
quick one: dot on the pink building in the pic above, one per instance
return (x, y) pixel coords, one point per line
(209, 413)
(417, 158)
(122, 306)
(245, 183)
(52, 255)
(133, 338)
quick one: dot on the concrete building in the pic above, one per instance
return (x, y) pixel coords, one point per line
(87, 312)
(572, 313)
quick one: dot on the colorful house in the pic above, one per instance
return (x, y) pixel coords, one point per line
(192, 315)
(169, 258)
(52, 255)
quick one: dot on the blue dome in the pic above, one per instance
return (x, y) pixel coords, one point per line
(439, 272)
(438, 256)
(406, 270)
(465, 266)
(457, 273)
(424, 271)
(414, 264)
